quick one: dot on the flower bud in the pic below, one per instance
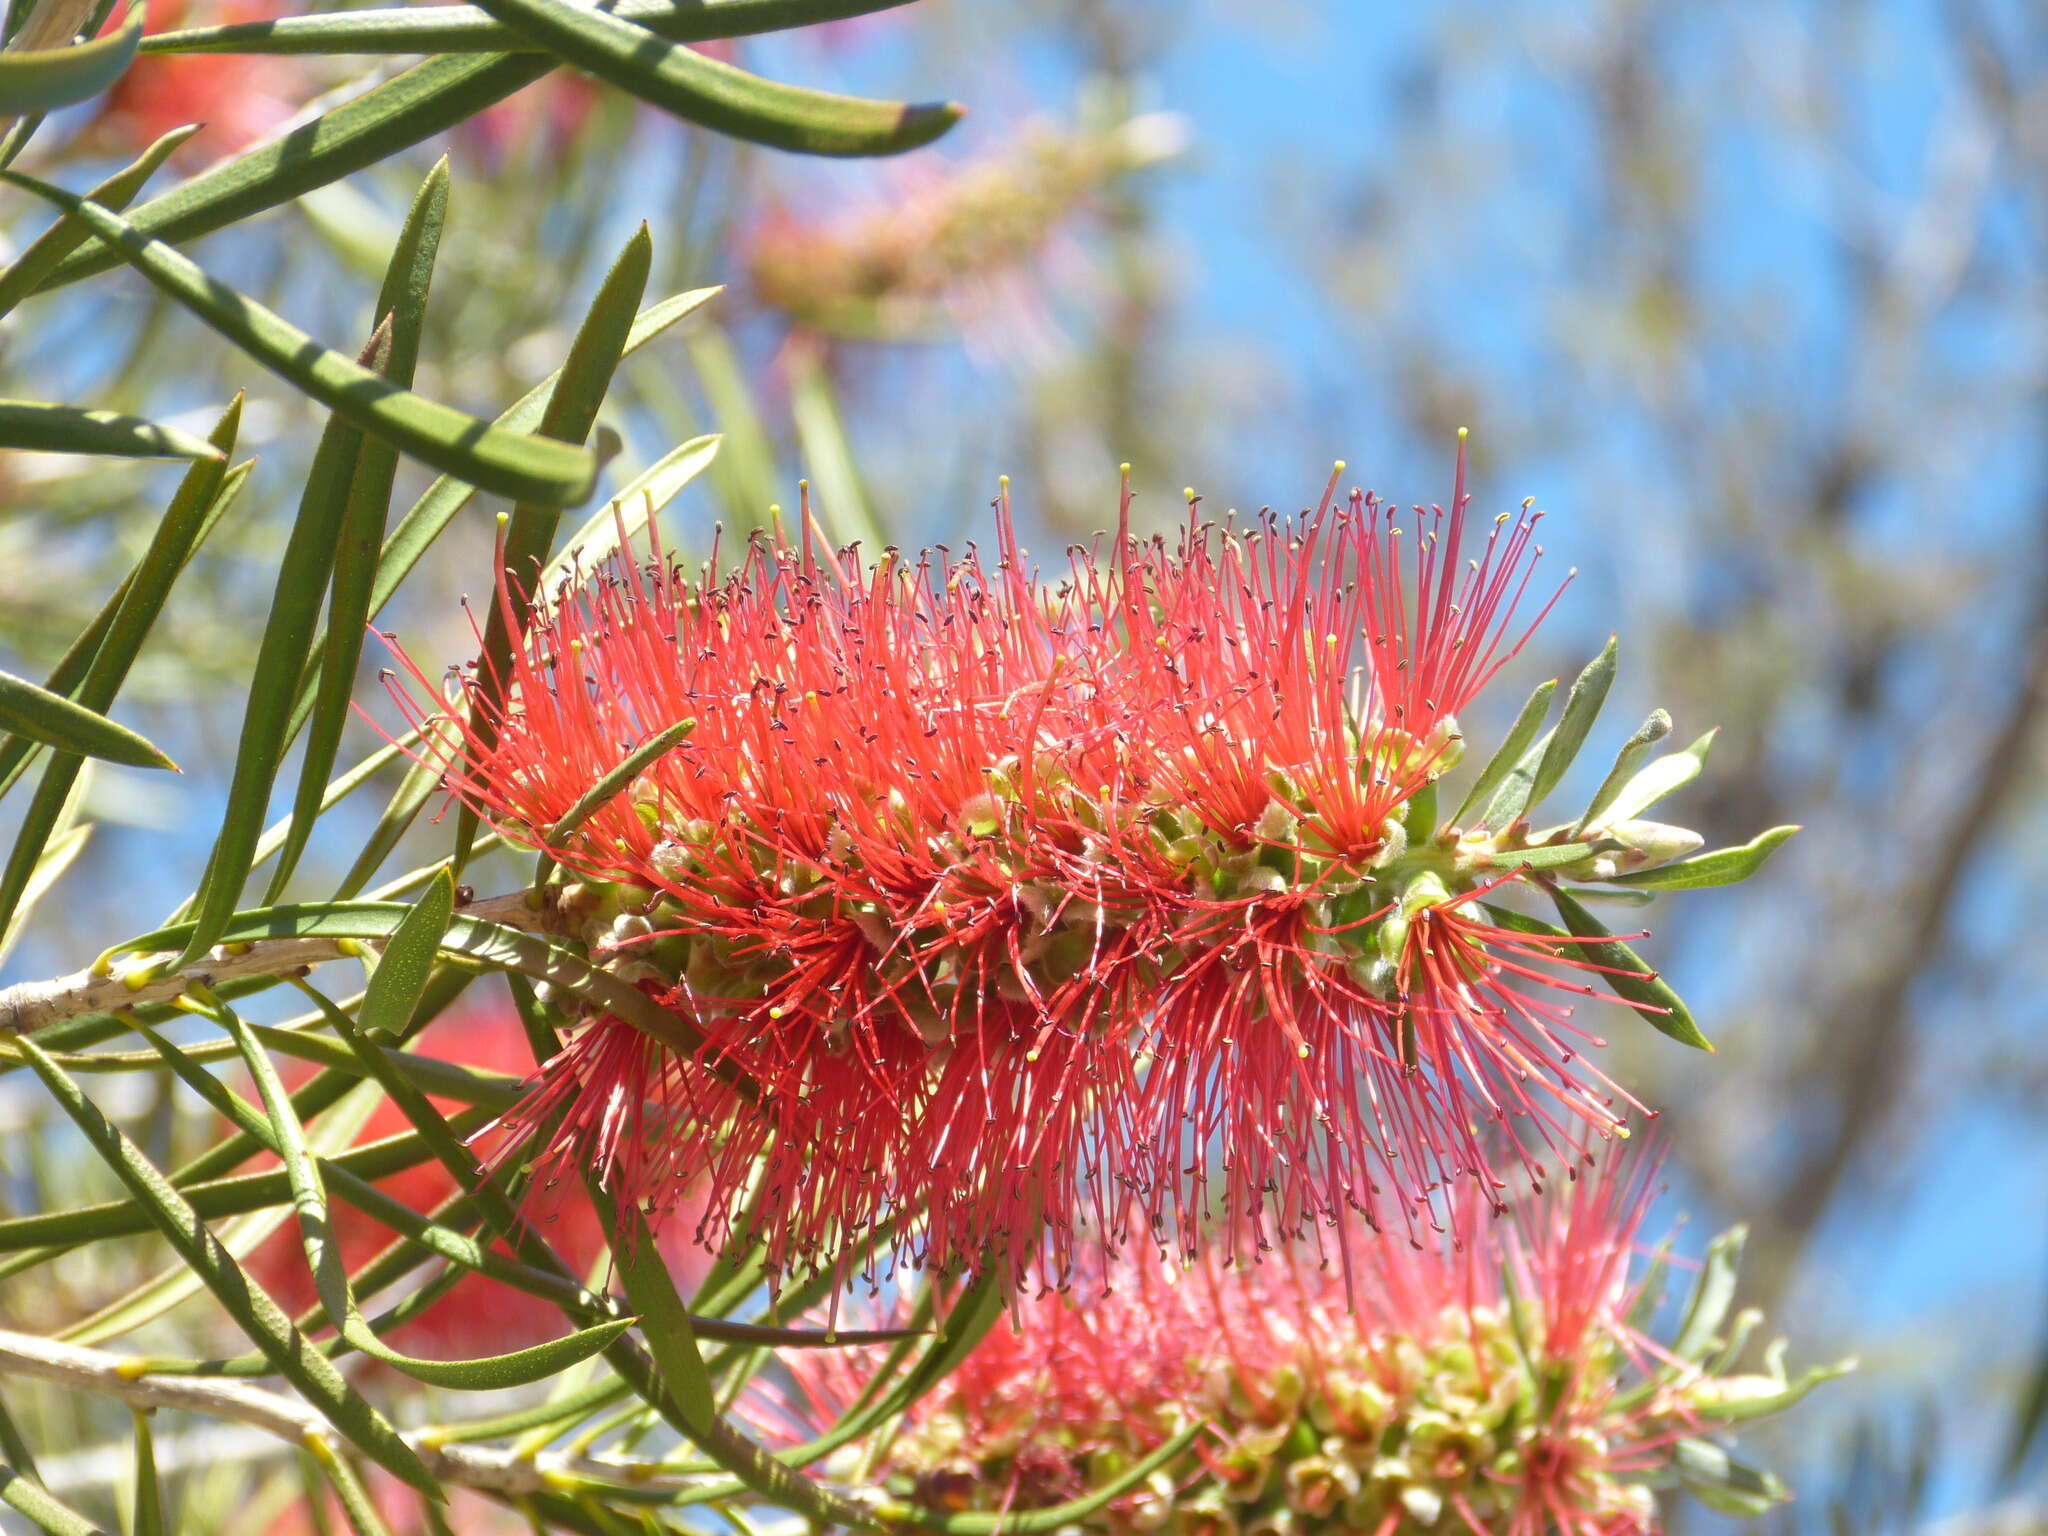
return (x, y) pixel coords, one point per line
(1655, 842)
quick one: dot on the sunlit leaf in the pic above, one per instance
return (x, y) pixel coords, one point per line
(1527, 723)
(55, 721)
(490, 458)
(239, 1296)
(303, 573)
(469, 29)
(702, 90)
(44, 79)
(401, 304)
(1722, 866)
(1581, 708)
(33, 427)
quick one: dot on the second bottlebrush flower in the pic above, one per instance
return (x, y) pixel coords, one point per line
(1006, 905)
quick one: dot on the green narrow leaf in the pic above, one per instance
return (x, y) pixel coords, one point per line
(467, 29)
(1628, 978)
(451, 440)
(41, 1509)
(1503, 761)
(108, 645)
(634, 763)
(56, 857)
(686, 1391)
(323, 1254)
(821, 433)
(49, 248)
(1581, 708)
(235, 1195)
(402, 304)
(29, 426)
(1547, 856)
(303, 574)
(417, 104)
(55, 721)
(699, 89)
(1626, 761)
(149, 1493)
(400, 979)
(1712, 1295)
(44, 79)
(1723, 1484)
(1723, 866)
(629, 512)
(1511, 800)
(335, 1132)
(585, 379)
(746, 464)
(246, 1302)
(1663, 776)
(357, 1507)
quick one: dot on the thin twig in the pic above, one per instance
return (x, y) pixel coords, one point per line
(32, 1005)
(491, 1468)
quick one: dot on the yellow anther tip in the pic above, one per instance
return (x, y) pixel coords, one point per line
(1188, 491)
(1337, 468)
(1463, 433)
(504, 518)
(1003, 481)
(1124, 468)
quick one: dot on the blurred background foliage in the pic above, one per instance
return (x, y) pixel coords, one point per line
(1753, 296)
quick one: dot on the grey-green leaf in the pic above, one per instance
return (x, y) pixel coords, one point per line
(1581, 708)
(400, 979)
(702, 90)
(1722, 866)
(470, 29)
(1661, 777)
(1626, 761)
(48, 249)
(1509, 753)
(39, 715)
(30, 426)
(1723, 1484)
(367, 505)
(512, 464)
(303, 573)
(44, 79)
(1621, 968)
(1712, 1295)
(246, 1302)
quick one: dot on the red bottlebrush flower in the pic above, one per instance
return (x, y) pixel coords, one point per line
(998, 904)
(478, 1316)
(1501, 1386)
(241, 98)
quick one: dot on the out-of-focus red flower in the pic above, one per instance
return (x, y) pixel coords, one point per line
(241, 98)
(478, 1316)
(961, 249)
(999, 902)
(1502, 1385)
(553, 109)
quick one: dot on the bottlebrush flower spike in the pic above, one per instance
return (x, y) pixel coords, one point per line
(1004, 905)
(949, 249)
(1503, 1386)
